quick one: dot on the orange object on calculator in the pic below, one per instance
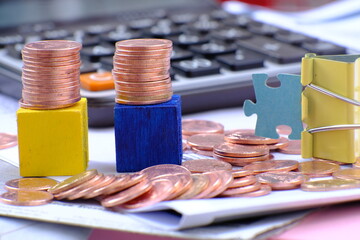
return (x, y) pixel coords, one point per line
(97, 81)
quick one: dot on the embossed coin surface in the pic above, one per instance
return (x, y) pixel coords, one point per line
(26, 198)
(282, 181)
(192, 126)
(352, 173)
(237, 150)
(330, 185)
(161, 189)
(294, 147)
(7, 140)
(206, 165)
(273, 166)
(73, 181)
(318, 168)
(35, 184)
(248, 137)
(205, 141)
(200, 182)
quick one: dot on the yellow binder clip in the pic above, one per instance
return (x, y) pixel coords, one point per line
(331, 107)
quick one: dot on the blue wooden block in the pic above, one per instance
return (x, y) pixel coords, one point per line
(147, 135)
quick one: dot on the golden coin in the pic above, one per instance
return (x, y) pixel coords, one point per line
(352, 173)
(200, 183)
(264, 190)
(241, 161)
(272, 166)
(242, 181)
(240, 190)
(122, 182)
(283, 142)
(160, 190)
(205, 141)
(206, 165)
(238, 150)
(215, 183)
(226, 179)
(248, 137)
(241, 173)
(294, 147)
(7, 140)
(191, 127)
(26, 198)
(73, 181)
(127, 194)
(332, 161)
(34, 184)
(330, 185)
(282, 181)
(318, 168)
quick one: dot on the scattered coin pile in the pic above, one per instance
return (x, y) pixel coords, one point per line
(50, 74)
(141, 71)
(7, 140)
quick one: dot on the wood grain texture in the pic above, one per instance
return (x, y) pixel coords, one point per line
(53, 142)
(147, 135)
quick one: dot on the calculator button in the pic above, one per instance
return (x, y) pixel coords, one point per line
(241, 60)
(36, 27)
(204, 25)
(180, 54)
(97, 81)
(262, 28)
(106, 63)
(98, 29)
(87, 67)
(115, 36)
(15, 50)
(196, 67)
(212, 49)
(238, 21)
(231, 34)
(274, 50)
(293, 38)
(188, 39)
(163, 31)
(10, 40)
(324, 48)
(219, 14)
(141, 24)
(93, 54)
(55, 34)
(184, 18)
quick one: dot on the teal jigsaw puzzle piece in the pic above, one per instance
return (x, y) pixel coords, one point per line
(276, 106)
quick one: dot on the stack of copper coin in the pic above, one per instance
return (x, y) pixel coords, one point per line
(141, 71)
(50, 74)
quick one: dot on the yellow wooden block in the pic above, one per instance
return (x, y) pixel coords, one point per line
(53, 142)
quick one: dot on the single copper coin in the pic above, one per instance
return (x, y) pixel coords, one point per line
(294, 147)
(73, 181)
(205, 141)
(243, 181)
(206, 165)
(273, 166)
(247, 136)
(318, 168)
(264, 190)
(127, 194)
(332, 161)
(330, 185)
(200, 183)
(283, 142)
(215, 182)
(237, 173)
(283, 130)
(241, 161)
(238, 150)
(33, 184)
(160, 190)
(144, 44)
(202, 152)
(282, 181)
(192, 126)
(7, 140)
(122, 182)
(26, 198)
(52, 47)
(181, 183)
(240, 190)
(351, 173)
